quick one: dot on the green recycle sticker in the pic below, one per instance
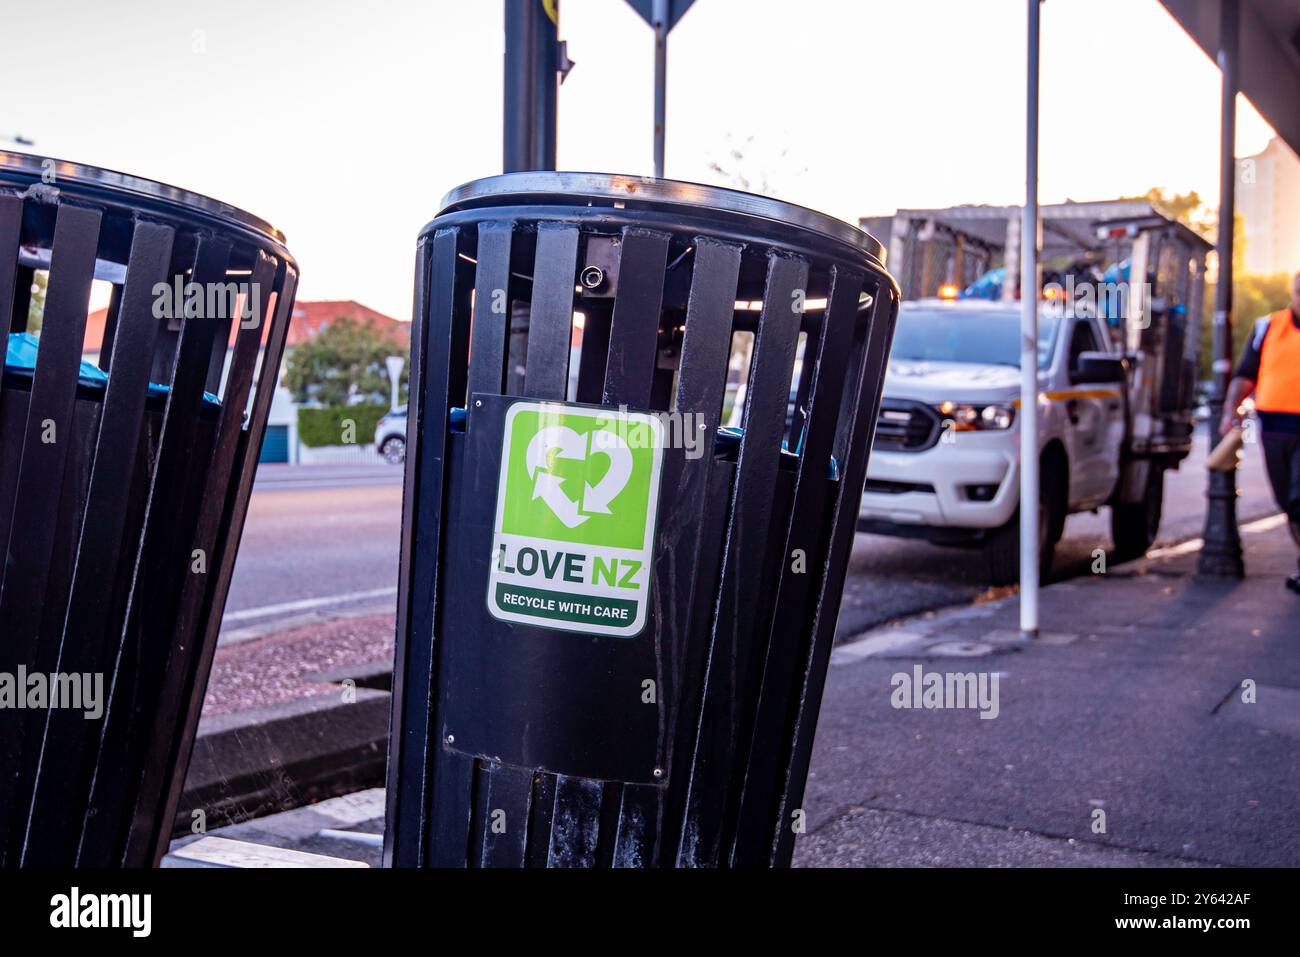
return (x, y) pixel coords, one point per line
(577, 500)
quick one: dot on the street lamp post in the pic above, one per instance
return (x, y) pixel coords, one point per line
(1221, 553)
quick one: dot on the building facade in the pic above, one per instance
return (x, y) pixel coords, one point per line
(1268, 201)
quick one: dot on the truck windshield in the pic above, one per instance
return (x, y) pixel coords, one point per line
(955, 334)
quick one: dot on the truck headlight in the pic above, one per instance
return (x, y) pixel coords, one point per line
(977, 418)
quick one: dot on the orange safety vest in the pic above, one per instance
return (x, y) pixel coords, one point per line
(1278, 387)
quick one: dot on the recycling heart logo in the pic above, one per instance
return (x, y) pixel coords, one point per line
(561, 442)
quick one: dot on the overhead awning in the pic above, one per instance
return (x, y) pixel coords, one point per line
(1270, 55)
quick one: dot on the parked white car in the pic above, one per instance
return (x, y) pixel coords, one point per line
(390, 436)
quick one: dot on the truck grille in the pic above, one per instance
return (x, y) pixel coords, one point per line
(904, 426)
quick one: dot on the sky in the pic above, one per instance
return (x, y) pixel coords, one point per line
(343, 123)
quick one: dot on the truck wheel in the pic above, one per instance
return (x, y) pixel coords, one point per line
(1133, 527)
(1002, 547)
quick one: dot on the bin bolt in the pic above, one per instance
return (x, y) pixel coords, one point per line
(592, 277)
(478, 403)
(659, 772)
(451, 739)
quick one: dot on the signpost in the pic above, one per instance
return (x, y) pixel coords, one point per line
(395, 364)
(1029, 478)
(662, 15)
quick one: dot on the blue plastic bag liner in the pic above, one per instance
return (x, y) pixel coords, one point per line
(728, 440)
(457, 418)
(20, 357)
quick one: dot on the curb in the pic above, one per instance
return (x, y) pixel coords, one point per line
(264, 760)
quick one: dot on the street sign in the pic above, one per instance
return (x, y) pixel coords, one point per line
(395, 364)
(577, 499)
(676, 8)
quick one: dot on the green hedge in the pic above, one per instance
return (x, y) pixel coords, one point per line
(319, 427)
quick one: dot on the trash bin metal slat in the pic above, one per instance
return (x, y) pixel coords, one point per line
(541, 812)
(550, 319)
(507, 800)
(60, 792)
(28, 534)
(11, 225)
(634, 331)
(701, 388)
(33, 524)
(825, 365)
(286, 285)
(413, 734)
(452, 807)
(165, 557)
(638, 819)
(491, 322)
(852, 446)
(453, 772)
(148, 836)
(575, 825)
(722, 726)
(408, 750)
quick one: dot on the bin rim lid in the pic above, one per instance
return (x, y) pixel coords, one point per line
(82, 174)
(615, 186)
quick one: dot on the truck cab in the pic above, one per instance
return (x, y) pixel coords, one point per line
(945, 463)
(1115, 388)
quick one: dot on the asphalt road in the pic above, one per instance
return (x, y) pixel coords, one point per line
(321, 542)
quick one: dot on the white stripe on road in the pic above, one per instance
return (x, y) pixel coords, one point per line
(306, 604)
(215, 851)
(355, 837)
(1196, 544)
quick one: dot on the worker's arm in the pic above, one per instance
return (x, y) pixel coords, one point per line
(1244, 378)
(1238, 389)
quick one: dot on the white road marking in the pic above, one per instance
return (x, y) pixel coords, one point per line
(1265, 524)
(306, 604)
(355, 837)
(225, 852)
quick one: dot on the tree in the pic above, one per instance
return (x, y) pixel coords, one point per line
(1187, 208)
(342, 364)
(1252, 297)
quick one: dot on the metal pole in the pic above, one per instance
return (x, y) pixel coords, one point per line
(660, 18)
(531, 81)
(1221, 554)
(1029, 505)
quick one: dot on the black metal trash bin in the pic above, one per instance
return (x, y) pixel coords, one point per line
(541, 716)
(123, 488)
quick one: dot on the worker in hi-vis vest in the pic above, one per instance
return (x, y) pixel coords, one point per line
(1270, 367)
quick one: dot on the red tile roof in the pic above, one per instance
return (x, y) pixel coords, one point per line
(308, 319)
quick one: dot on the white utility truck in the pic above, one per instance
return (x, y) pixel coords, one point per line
(1117, 364)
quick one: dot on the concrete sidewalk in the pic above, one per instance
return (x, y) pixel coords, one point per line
(1131, 704)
